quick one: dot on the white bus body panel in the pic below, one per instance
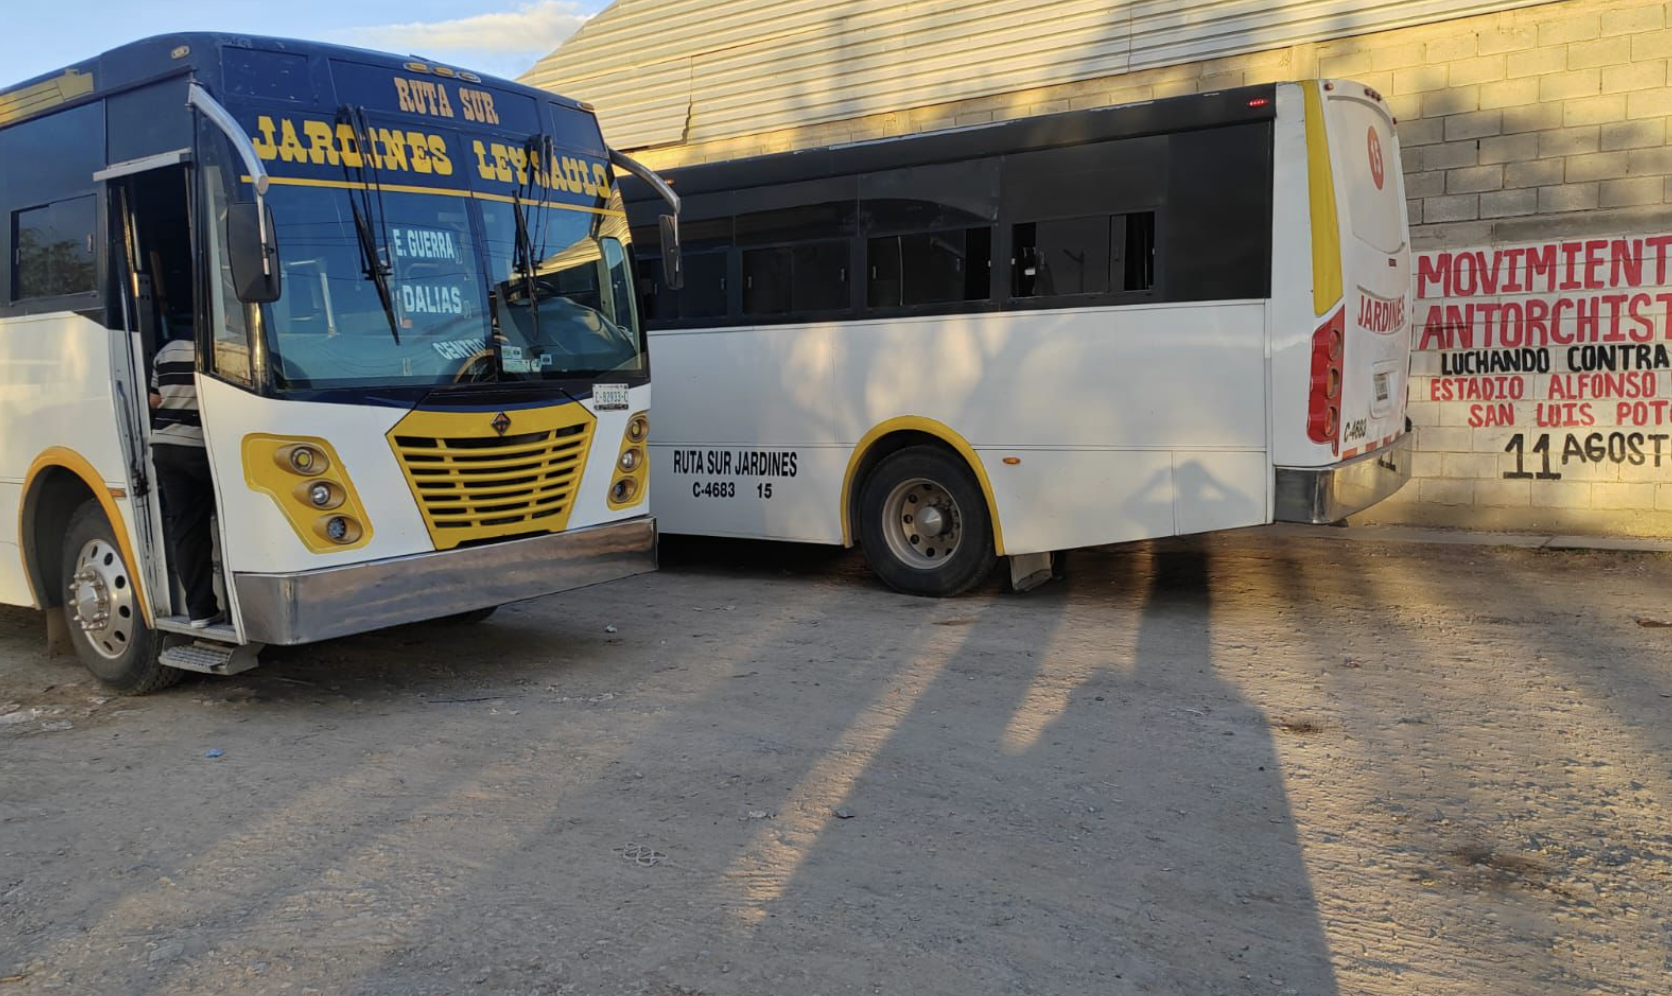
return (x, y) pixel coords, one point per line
(57, 392)
(1120, 440)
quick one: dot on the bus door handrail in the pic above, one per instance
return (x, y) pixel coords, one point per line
(221, 118)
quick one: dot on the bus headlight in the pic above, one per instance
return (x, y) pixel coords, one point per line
(305, 460)
(632, 466)
(339, 529)
(306, 480)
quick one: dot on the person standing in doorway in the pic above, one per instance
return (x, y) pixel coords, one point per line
(183, 472)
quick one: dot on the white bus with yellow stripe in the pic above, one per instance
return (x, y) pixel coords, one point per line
(1014, 339)
(423, 385)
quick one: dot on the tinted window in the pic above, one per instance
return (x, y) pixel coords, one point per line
(55, 249)
(930, 198)
(808, 277)
(1093, 255)
(1103, 178)
(805, 221)
(704, 293)
(72, 142)
(1215, 237)
(928, 268)
(148, 121)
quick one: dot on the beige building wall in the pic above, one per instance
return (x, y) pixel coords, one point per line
(1529, 132)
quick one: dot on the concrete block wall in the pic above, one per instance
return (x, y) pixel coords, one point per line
(1537, 123)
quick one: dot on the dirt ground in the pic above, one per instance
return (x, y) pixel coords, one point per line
(1256, 763)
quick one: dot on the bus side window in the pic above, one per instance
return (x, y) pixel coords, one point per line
(938, 267)
(1101, 254)
(805, 277)
(54, 255)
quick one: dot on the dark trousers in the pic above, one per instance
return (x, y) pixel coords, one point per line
(189, 500)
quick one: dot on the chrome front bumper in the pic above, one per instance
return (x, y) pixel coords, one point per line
(339, 601)
(1330, 494)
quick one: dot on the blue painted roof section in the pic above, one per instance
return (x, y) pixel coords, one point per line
(152, 57)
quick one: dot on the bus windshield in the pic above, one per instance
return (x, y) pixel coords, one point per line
(481, 286)
(330, 328)
(563, 296)
(558, 293)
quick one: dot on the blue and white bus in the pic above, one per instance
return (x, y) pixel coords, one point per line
(422, 381)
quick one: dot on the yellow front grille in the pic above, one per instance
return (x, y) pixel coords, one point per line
(472, 483)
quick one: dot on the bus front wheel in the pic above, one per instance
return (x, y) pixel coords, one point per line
(102, 610)
(923, 523)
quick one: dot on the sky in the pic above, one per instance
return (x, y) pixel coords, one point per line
(501, 37)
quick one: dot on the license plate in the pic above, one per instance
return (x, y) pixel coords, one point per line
(1382, 390)
(609, 397)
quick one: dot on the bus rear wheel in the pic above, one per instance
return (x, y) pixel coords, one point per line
(923, 523)
(102, 611)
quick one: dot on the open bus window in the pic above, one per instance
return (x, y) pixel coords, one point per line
(1101, 254)
(928, 268)
(55, 250)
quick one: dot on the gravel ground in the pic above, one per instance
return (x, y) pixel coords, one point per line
(1252, 763)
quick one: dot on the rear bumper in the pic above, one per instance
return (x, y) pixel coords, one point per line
(1329, 494)
(339, 601)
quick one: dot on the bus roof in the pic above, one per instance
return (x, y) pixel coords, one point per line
(1154, 117)
(199, 53)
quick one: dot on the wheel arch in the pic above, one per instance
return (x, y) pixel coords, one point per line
(896, 434)
(58, 482)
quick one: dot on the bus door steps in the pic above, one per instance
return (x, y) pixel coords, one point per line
(209, 656)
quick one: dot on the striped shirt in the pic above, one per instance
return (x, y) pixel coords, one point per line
(173, 377)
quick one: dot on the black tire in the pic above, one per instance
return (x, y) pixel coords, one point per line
(971, 558)
(470, 618)
(129, 662)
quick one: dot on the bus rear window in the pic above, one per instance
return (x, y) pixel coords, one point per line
(1364, 140)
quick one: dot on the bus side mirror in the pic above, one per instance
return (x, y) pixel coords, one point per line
(673, 266)
(253, 252)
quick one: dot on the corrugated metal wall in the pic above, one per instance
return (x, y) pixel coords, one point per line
(670, 71)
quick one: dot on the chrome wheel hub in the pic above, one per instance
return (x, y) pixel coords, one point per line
(922, 524)
(101, 599)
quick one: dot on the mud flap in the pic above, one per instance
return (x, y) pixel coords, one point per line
(58, 634)
(1029, 570)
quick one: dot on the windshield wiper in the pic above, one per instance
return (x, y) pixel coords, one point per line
(377, 268)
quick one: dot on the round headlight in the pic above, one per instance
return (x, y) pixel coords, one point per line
(306, 460)
(337, 529)
(320, 494)
(638, 427)
(623, 490)
(630, 459)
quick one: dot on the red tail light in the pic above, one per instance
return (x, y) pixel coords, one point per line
(1323, 406)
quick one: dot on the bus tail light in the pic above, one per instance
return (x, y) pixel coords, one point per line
(1323, 408)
